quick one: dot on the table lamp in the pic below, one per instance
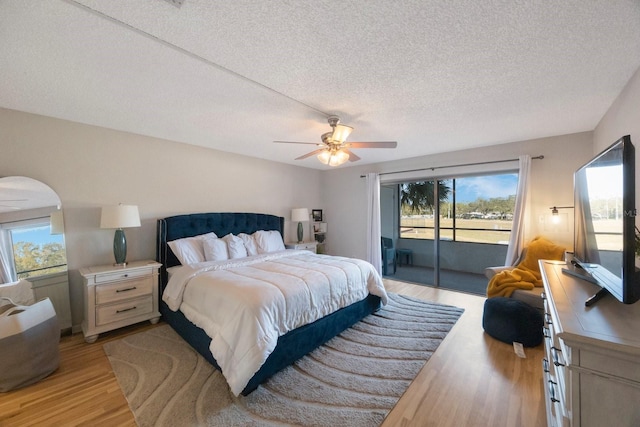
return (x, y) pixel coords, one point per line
(300, 215)
(119, 217)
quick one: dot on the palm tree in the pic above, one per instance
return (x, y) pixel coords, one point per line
(417, 197)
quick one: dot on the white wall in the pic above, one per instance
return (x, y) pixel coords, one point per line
(90, 167)
(551, 184)
(622, 118)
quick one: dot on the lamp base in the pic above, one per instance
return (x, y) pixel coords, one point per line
(300, 232)
(120, 247)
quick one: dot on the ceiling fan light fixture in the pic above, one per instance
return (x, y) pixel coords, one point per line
(333, 158)
(334, 149)
(341, 133)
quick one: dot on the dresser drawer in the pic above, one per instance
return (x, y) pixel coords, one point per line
(131, 308)
(123, 290)
(121, 275)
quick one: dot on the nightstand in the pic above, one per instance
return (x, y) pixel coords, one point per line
(309, 246)
(116, 296)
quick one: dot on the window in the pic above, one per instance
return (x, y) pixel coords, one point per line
(33, 250)
(472, 209)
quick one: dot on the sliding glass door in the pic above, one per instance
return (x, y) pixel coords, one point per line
(453, 227)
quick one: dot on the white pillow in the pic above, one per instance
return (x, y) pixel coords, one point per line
(268, 241)
(215, 250)
(235, 246)
(189, 250)
(249, 244)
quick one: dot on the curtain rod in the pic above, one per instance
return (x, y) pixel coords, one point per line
(540, 157)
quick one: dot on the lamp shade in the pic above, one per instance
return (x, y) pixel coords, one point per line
(300, 214)
(121, 216)
(57, 223)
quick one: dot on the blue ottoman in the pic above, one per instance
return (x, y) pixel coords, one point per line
(510, 320)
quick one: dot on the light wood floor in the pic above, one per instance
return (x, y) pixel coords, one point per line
(471, 380)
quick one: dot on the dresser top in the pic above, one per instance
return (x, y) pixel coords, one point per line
(607, 323)
(110, 268)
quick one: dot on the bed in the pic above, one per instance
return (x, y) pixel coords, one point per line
(290, 346)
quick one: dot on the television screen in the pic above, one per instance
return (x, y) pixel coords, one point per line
(604, 238)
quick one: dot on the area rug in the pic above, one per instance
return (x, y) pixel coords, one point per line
(354, 379)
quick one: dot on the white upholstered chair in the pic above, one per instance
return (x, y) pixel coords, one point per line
(29, 336)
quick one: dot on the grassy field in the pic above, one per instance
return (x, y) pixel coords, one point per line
(467, 230)
(497, 231)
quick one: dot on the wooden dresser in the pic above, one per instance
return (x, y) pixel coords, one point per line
(592, 363)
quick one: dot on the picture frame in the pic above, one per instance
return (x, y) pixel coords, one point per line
(316, 214)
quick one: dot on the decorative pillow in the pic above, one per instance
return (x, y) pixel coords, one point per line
(249, 244)
(215, 250)
(190, 250)
(268, 241)
(235, 246)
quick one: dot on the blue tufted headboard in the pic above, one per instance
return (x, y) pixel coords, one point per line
(179, 226)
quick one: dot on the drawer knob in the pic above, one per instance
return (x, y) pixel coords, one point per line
(133, 288)
(126, 309)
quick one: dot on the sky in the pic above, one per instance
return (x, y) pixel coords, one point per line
(39, 236)
(470, 189)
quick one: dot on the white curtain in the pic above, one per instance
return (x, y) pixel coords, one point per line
(7, 273)
(516, 240)
(374, 251)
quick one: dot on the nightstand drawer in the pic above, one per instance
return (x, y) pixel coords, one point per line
(122, 290)
(120, 275)
(124, 310)
(309, 246)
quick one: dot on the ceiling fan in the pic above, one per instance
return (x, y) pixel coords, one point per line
(334, 150)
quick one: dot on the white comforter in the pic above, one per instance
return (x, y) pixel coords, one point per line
(245, 304)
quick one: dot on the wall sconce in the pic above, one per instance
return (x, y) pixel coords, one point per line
(554, 213)
(119, 217)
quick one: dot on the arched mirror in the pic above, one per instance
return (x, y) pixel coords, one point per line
(32, 241)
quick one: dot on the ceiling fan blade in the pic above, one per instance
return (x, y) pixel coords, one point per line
(313, 153)
(341, 133)
(298, 142)
(352, 155)
(372, 144)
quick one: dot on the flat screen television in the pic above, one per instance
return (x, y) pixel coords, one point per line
(604, 237)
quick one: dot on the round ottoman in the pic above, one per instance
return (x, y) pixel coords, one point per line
(510, 320)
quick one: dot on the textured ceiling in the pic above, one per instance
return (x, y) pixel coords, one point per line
(235, 75)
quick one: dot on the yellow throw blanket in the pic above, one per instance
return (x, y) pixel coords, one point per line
(525, 275)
